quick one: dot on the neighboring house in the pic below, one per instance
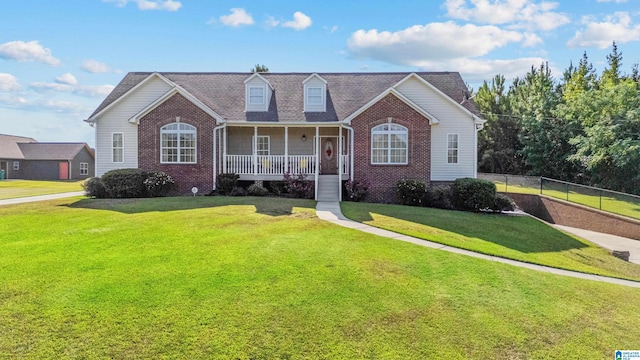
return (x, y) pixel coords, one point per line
(380, 127)
(25, 158)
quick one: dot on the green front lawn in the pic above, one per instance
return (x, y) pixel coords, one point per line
(514, 237)
(10, 189)
(264, 278)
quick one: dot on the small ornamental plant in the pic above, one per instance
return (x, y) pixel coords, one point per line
(356, 190)
(159, 183)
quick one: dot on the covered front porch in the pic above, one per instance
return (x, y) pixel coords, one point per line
(266, 152)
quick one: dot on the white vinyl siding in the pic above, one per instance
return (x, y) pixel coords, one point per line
(389, 145)
(115, 120)
(117, 147)
(84, 168)
(452, 148)
(178, 144)
(453, 120)
(315, 91)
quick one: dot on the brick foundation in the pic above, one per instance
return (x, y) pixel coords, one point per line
(383, 178)
(186, 176)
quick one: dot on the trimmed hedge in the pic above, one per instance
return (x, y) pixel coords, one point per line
(94, 187)
(411, 192)
(473, 194)
(226, 182)
(257, 190)
(159, 183)
(125, 183)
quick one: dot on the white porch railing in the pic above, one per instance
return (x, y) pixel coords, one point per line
(345, 164)
(271, 164)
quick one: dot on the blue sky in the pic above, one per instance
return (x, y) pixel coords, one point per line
(59, 59)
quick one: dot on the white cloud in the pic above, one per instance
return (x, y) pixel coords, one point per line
(477, 70)
(84, 90)
(434, 41)
(271, 22)
(300, 21)
(525, 14)
(27, 51)
(237, 17)
(168, 5)
(331, 29)
(617, 1)
(67, 79)
(8, 82)
(617, 27)
(95, 66)
(43, 105)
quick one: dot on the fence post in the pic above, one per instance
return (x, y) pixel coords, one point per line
(541, 179)
(567, 191)
(600, 199)
(506, 183)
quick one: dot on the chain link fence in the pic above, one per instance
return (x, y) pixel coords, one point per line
(606, 200)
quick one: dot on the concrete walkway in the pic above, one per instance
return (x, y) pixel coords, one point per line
(40, 198)
(330, 211)
(607, 241)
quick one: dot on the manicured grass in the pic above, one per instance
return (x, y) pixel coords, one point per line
(514, 237)
(10, 189)
(248, 278)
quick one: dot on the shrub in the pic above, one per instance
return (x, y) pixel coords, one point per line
(356, 190)
(238, 191)
(159, 183)
(503, 203)
(257, 190)
(440, 197)
(94, 187)
(226, 182)
(411, 192)
(277, 187)
(298, 186)
(125, 183)
(473, 194)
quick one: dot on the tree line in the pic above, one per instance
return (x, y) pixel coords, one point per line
(583, 127)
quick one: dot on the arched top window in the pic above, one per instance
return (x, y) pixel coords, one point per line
(389, 144)
(178, 143)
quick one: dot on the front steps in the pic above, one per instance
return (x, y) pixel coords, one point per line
(328, 188)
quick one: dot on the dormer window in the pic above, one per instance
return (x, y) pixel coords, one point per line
(256, 95)
(314, 96)
(315, 90)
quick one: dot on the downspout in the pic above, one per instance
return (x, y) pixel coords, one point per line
(317, 175)
(350, 150)
(215, 154)
(340, 165)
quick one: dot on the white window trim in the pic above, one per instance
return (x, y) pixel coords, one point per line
(114, 148)
(178, 132)
(264, 95)
(84, 168)
(450, 148)
(16, 166)
(255, 144)
(389, 132)
(323, 101)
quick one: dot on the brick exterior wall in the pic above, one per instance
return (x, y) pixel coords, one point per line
(186, 176)
(383, 178)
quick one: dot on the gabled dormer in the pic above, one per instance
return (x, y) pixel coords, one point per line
(258, 92)
(315, 93)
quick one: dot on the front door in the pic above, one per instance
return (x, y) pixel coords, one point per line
(5, 167)
(329, 156)
(64, 170)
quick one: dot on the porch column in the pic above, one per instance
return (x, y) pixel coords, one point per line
(340, 165)
(286, 149)
(317, 160)
(224, 148)
(255, 150)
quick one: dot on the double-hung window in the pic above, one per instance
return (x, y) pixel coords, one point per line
(16, 165)
(256, 95)
(314, 96)
(178, 143)
(117, 144)
(84, 168)
(452, 148)
(389, 144)
(262, 145)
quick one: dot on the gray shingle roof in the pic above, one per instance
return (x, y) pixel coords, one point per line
(9, 146)
(51, 151)
(224, 93)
